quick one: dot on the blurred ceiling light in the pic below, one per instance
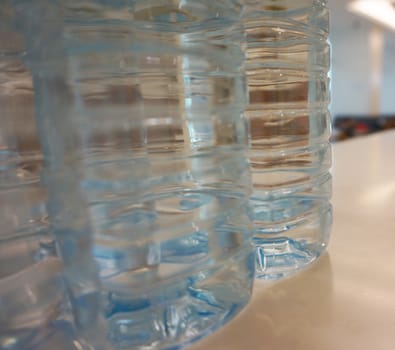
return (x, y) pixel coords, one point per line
(381, 12)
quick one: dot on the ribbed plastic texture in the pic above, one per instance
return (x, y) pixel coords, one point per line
(288, 60)
(31, 291)
(140, 112)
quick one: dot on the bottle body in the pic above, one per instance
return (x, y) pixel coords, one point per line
(288, 60)
(145, 149)
(31, 290)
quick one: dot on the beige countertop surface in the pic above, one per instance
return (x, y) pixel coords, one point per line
(347, 299)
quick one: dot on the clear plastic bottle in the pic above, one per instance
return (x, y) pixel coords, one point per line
(139, 107)
(35, 311)
(288, 60)
(31, 289)
(29, 271)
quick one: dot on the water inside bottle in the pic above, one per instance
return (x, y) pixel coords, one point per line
(287, 68)
(147, 150)
(31, 291)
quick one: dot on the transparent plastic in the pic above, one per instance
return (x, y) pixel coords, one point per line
(31, 290)
(288, 60)
(140, 113)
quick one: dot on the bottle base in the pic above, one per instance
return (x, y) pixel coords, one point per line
(174, 315)
(288, 249)
(291, 257)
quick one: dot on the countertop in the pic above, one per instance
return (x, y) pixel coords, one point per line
(347, 299)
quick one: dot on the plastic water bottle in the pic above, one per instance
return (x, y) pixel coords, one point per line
(140, 112)
(288, 59)
(31, 291)
(34, 311)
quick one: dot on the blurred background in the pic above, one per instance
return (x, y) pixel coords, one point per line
(363, 66)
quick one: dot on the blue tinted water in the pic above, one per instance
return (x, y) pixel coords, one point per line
(140, 115)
